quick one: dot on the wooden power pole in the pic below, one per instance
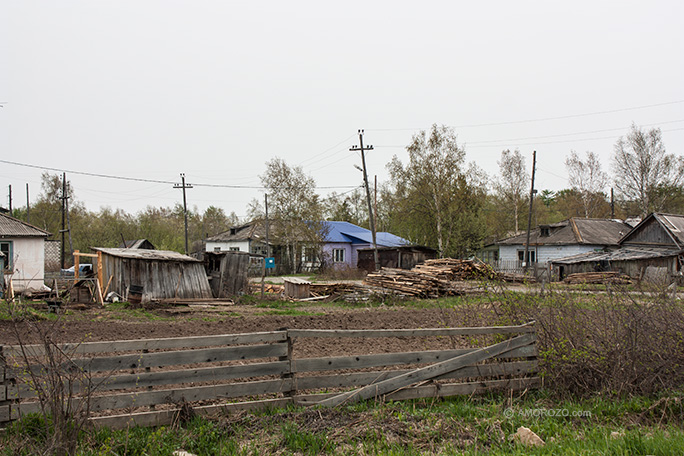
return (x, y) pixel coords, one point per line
(183, 186)
(371, 219)
(526, 257)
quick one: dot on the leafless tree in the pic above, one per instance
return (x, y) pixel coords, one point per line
(644, 171)
(587, 179)
(513, 181)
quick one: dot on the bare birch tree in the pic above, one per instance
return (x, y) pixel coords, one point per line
(587, 179)
(643, 169)
(435, 201)
(512, 183)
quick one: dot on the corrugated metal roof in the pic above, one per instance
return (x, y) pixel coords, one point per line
(144, 254)
(11, 227)
(345, 232)
(623, 254)
(335, 232)
(574, 231)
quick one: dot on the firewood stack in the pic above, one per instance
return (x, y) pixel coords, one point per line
(454, 269)
(414, 283)
(328, 289)
(597, 277)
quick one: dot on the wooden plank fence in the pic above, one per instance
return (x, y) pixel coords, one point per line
(147, 382)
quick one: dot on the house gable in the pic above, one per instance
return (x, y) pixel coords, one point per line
(657, 230)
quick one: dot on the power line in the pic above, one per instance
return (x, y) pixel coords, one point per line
(541, 119)
(137, 179)
(560, 142)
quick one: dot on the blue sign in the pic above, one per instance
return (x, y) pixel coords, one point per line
(269, 263)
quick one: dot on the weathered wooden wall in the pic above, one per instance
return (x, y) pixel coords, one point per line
(160, 279)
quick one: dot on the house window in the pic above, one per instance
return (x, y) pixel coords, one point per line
(338, 255)
(308, 255)
(6, 248)
(217, 249)
(235, 249)
(531, 253)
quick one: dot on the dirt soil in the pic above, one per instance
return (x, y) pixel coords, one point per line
(93, 323)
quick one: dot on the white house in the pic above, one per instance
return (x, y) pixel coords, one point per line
(559, 240)
(24, 248)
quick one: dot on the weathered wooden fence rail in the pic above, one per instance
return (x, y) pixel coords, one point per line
(146, 382)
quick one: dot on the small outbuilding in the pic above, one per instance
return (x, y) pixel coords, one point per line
(155, 274)
(401, 257)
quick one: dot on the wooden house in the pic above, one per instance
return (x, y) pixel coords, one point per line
(560, 240)
(653, 249)
(162, 274)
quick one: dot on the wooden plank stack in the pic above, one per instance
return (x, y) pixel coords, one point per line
(597, 277)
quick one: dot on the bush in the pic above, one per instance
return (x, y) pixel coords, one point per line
(619, 342)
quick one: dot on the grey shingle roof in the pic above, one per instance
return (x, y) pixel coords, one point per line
(574, 231)
(11, 227)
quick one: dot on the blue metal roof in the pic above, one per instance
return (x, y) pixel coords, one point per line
(345, 232)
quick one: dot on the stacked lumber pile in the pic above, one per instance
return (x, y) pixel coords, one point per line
(597, 277)
(414, 283)
(331, 289)
(454, 269)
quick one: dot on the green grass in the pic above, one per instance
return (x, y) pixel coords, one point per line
(480, 425)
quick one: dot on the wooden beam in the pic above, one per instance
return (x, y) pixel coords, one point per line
(429, 372)
(424, 332)
(152, 344)
(100, 279)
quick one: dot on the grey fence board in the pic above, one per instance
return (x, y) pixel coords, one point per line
(207, 355)
(149, 379)
(356, 379)
(393, 359)
(427, 332)
(153, 344)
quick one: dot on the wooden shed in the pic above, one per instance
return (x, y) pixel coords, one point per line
(227, 272)
(161, 274)
(402, 257)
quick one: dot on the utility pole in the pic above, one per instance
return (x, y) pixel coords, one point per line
(368, 197)
(183, 185)
(612, 204)
(28, 205)
(64, 209)
(529, 218)
(268, 249)
(10, 199)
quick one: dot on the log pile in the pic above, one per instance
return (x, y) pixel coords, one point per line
(597, 277)
(415, 283)
(331, 289)
(454, 269)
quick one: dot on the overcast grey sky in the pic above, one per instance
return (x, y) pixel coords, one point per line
(149, 89)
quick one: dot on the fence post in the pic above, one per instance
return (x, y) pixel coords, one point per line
(4, 382)
(290, 373)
